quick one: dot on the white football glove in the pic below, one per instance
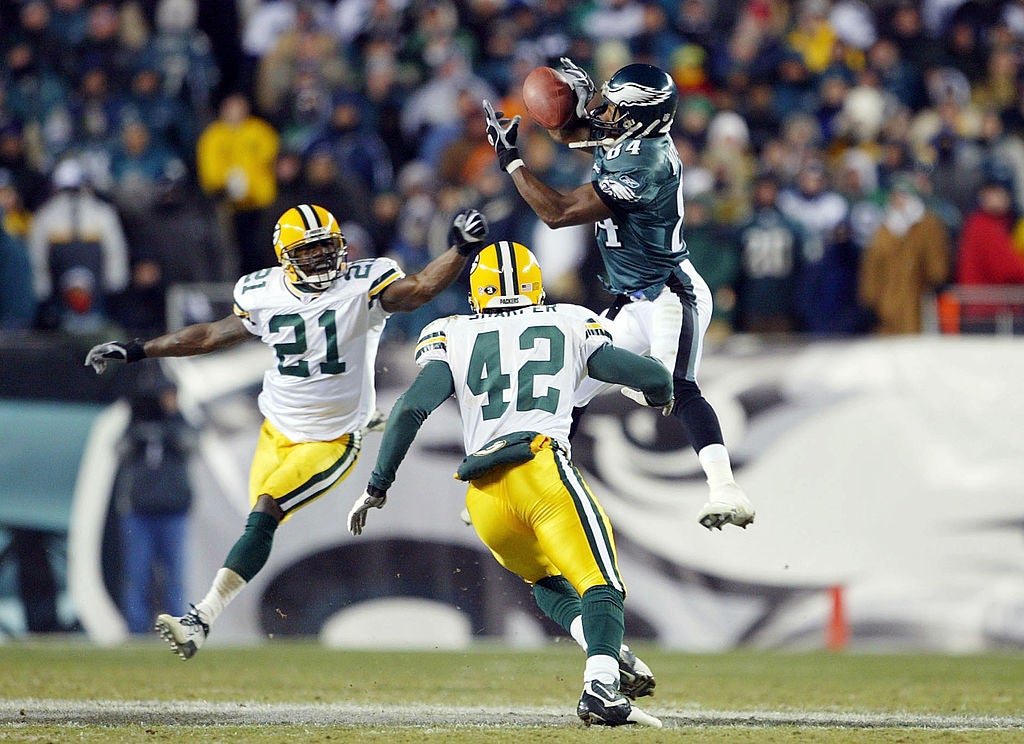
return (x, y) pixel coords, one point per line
(640, 398)
(372, 498)
(582, 85)
(377, 423)
(118, 351)
(502, 134)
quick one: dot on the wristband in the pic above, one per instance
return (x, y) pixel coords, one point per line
(514, 166)
(134, 350)
(508, 157)
(468, 248)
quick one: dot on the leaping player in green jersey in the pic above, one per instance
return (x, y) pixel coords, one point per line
(662, 306)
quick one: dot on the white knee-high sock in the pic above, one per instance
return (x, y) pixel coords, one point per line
(602, 669)
(225, 587)
(714, 458)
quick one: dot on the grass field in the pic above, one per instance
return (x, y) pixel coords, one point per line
(59, 691)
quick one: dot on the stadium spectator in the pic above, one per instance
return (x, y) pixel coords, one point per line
(857, 182)
(170, 123)
(15, 218)
(79, 255)
(323, 182)
(137, 162)
(727, 156)
(17, 300)
(30, 182)
(435, 102)
(361, 153)
(159, 263)
(908, 255)
(759, 112)
(183, 56)
(986, 253)
(235, 158)
(770, 261)
(104, 47)
(713, 247)
(152, 496)
(1002, 155)
(813, 204)
(296, 78)
(34, 27)
(895, 75)
(36, 97)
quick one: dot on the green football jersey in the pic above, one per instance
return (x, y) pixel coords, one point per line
(642, 242)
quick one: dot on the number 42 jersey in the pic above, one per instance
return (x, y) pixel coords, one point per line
(514, 370)
(322, 386)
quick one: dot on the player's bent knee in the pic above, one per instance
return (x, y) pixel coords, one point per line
(267, 505)
(685, 392)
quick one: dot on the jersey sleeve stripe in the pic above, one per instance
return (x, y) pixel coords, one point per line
(434, 341)
(388, 278)
(240, 311)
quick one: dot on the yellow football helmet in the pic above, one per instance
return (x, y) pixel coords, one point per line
(310, 246)
(505, 275)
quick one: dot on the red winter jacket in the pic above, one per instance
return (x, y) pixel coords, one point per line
(986, 252)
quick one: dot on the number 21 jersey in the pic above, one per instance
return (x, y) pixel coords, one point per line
(322, 386)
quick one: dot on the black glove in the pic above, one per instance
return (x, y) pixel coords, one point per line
(502, 134)
(582, 85)
(372, 498)
(467, 233)
(120, 351)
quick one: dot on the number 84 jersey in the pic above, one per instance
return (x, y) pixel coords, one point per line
(514, 370)
(322, 386)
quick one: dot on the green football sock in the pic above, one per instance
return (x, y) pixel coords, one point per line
(604, 620)
(558, 599)
(251, 551)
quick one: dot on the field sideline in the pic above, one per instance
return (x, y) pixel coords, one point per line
(300, 691)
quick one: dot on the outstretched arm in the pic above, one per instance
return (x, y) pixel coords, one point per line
(200, 338)
(466, 237)
(555, 209)
(644, 373)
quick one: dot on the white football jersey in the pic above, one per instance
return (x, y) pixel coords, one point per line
(516, 370)
(322, 386)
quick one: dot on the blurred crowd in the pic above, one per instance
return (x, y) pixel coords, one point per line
(842, 157)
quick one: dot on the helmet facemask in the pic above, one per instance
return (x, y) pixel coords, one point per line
(315, 262)
(310, 247)
(638, 101)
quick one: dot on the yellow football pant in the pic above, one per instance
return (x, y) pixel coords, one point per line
(297, 473)
(540, 519)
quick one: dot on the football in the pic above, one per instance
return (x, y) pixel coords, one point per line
(549, 99)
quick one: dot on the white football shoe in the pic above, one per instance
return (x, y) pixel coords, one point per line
(186, 634)
(727, 504)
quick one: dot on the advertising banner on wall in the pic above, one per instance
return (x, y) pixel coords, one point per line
(887, 476)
